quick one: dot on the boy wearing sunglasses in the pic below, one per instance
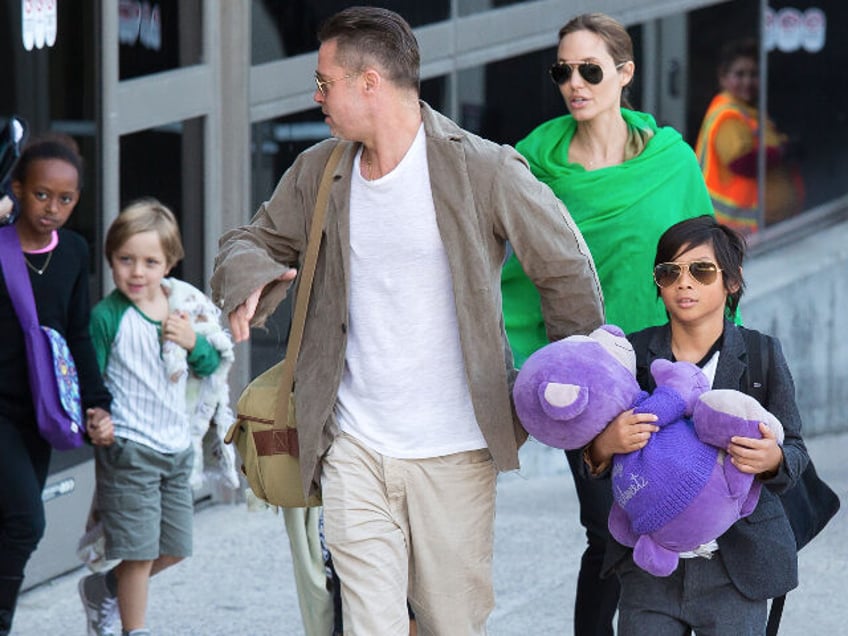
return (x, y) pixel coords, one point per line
(722, 587)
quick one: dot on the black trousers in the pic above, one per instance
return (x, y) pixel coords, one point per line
(597, 598)
(24, 460)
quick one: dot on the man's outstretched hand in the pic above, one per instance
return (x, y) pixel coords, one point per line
(241, 316)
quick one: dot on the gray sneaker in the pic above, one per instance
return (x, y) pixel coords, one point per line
(102, 617)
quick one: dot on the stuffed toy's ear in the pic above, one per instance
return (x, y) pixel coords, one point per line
(612, 339)
(564, 404)
(562, 401)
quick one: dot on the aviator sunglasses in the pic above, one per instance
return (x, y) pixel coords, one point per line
(703, 272)
(592, 73)
(323, 84)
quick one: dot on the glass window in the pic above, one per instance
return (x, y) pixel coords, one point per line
(167, 163)
(708, 30)
(505, 100)
(158, 36)
(725, 49)
(807, 94)
(53, 87)
(283, 28)
(434, 91)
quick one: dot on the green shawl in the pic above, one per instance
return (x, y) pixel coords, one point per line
(621, 210)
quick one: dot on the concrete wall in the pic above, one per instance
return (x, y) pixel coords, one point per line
(798, 292)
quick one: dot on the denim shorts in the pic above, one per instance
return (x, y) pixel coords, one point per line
(144, 501)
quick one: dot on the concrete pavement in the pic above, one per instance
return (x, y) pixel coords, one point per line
(239, 580)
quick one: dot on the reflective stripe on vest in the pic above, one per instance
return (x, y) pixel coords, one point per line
(734, 196)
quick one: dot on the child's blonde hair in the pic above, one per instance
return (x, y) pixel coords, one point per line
(146, 215)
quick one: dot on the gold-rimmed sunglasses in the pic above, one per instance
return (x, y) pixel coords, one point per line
(322, 84)
(702, 272)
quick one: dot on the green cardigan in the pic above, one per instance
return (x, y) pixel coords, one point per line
(621, 210)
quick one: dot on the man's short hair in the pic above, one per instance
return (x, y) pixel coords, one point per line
(368, 35)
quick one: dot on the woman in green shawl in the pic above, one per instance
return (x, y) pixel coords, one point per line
(625, 181)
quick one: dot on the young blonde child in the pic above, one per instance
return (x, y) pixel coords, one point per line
(144, 498)
(722, 587)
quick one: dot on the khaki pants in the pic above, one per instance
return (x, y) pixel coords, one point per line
(410, 529)
(310, 577)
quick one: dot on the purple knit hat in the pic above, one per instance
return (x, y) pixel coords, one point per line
(657, 483)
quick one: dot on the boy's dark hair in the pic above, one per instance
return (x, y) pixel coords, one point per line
(52, 145)
(374, 35)
(728, 244)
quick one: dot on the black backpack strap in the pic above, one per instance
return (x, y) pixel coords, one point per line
(757, 365)
(775, 613)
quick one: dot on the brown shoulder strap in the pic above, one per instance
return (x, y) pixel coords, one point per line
(307, 274)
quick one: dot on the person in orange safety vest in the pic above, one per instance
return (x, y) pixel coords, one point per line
(728, 144)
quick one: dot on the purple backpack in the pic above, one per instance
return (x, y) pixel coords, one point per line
(52, 373)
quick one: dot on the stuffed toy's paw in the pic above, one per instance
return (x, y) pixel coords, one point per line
(722, 413)
(653, 557)
(684, 378)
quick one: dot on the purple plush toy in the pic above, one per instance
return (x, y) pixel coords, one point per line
(680, 491)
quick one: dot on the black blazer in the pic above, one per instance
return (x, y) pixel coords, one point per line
(758, 551)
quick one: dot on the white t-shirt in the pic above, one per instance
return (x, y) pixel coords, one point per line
(404, 391)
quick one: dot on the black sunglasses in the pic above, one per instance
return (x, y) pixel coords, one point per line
(592, 73)
(703, 272)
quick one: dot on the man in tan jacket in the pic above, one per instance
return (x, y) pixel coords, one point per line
(403, 381)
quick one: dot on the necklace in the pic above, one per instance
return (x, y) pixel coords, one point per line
(368, 167)
(43, 267)
(593, 155)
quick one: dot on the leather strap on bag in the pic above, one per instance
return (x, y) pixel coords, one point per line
(307, 275)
